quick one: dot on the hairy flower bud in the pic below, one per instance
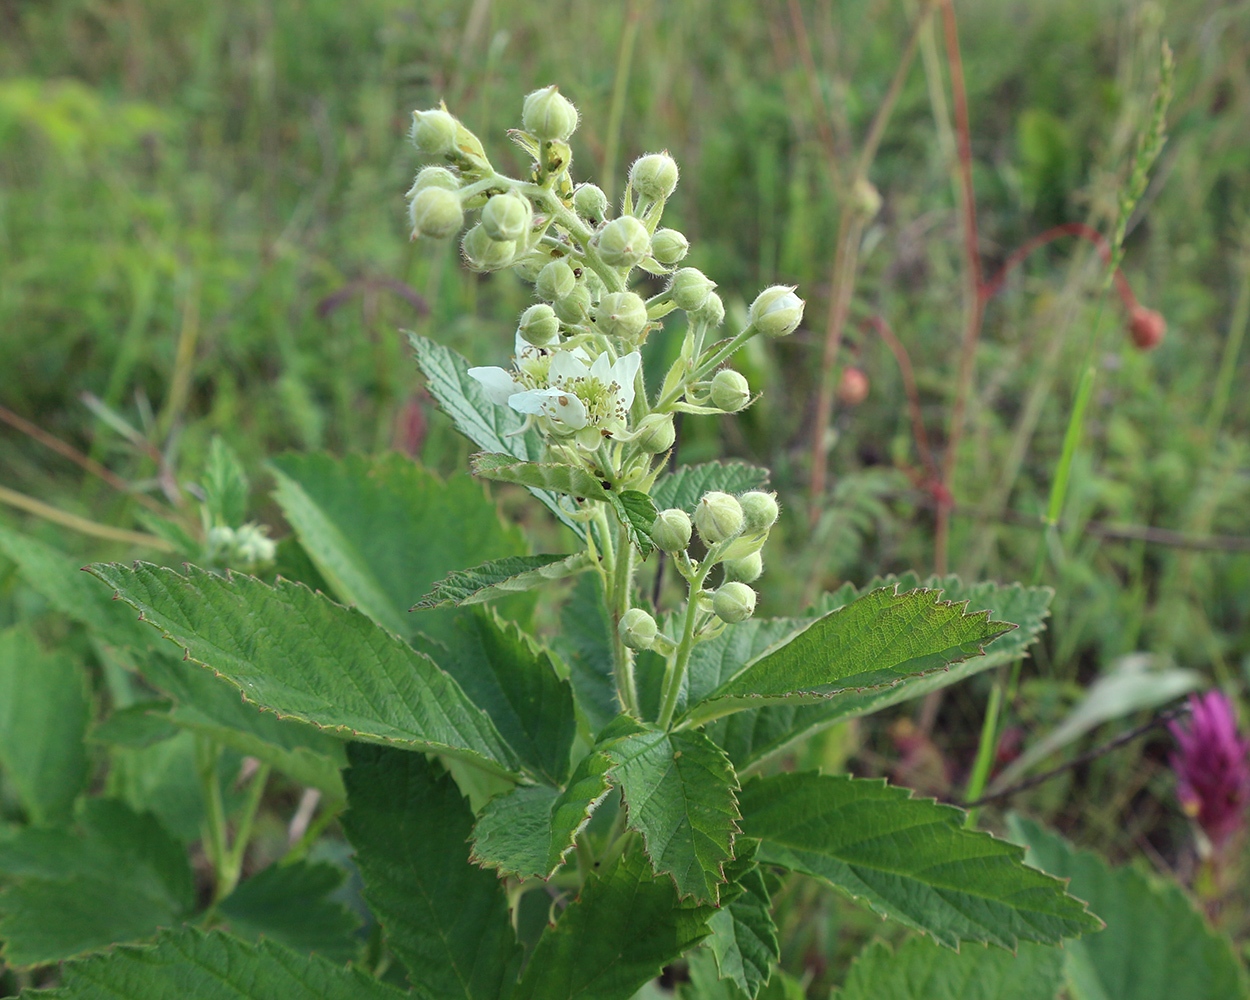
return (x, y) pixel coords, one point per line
(507, 216)
(555, 280)
(624, 242)
(730, 391)
(622, 315)
(718, 516)
(637, 629)
(590, 203)
(759, 511)
(481, 253)
(574, 307)
(733, 602)
(668, 246)
(654, 176)
(852, 386)
(776, 311)
(435, 212)
(671, 530)
(548, 114)
(539, 325)
(656, 434)
(434, 132)
(745, 570)
(711, 313)
(251, 546)
(434, 177)
(689, 288)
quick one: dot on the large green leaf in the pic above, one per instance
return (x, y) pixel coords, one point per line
(510, 575)
(191, 964)
(920, 970)
(120, 879)
(584, 642)
(505, 673)
(679, 793)
(683, 487)
(744, 937)
(909, 859)
(879, 639)
(1157, 943)
(492, 428)
(299, 654)
(383, 530)
(446, 919)
(45, 704)
(623, 928)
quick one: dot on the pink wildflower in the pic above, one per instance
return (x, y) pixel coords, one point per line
(1212, 766)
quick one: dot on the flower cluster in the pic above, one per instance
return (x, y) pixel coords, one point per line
(1212, 766)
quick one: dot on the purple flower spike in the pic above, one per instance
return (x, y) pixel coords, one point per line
(1212, 766)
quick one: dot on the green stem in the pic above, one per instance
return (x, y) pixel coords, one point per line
(207, 757)
(233, 867)
(618, 603)
(696, 374)
(676, 670)
(325, 816)
(985, 752)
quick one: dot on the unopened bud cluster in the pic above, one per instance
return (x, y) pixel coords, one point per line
(246, 548)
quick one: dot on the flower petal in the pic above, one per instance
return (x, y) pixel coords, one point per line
(496, 383)
(623, 373)
(567, 366)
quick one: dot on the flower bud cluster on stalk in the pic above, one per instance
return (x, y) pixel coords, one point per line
(576, 371)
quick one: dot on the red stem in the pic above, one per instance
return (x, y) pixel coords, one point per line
(1080, 229)
(909, 387)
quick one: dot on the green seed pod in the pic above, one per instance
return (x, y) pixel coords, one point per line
(435, 212)
(573, 308)
(668, 246)
(637, 629)
(718, 517)
(730, 390)
(548, 114)
(539, 325)
(622, 315)
(624, 242)
(656, 434)
(507, 217)
(590, 203)
(671, 530)
(759, 511)
(434, 133)
(712, 312)
(481, 253)
(733, 602)
(555, 280)
(654, 176)
(690, 288)
(745, 570)
(776, 311)
(434, 177)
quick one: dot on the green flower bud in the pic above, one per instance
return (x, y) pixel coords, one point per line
(555, 280)
(712, 312)
(759, 511)
(733, 602)
(548, 114)
(481, 253)
(507, 217)
(539, 325)
(434, 177)
(573, 308)
(671, 530)
(718, 517)
(745, 570)
(730, 391)
(637, 629)
(590, 203)
(776, 311)
(435, 212)
(656, 433)
(865, 198)
(690, 288)
(622, 315)
(530, 266)
(252, 548)
(624, 242)
(654, 176)
(668, 246)
(434, 133)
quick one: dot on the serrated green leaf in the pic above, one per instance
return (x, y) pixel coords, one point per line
(636, 512)
(1156, 944)
(875, 641)
(566, 479)
(909, 859)
(510, 575)
(299, 654)
(683, 487)
(744, 937)
(290, 904)
(143, 724)
(622, 929)
(490, 427)
(225, 485)
(119, 880)
(679, 793)
(920, 970)
(507, 675)
(446, 919)
(584, 643)
(45, 705)
(189, 963)
(383, 530)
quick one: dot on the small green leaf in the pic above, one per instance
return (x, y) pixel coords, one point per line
(446, 919)
(566, 479)
(683, 487)
(290, 904)
(636, 512)
(1156, 944)
(909, 859)
(920, 970)
(45, 704)
(225, 485)
(744, 937)
(510, 575)
(143, 724)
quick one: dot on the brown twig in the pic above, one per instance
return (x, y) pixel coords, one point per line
(1085, 232)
